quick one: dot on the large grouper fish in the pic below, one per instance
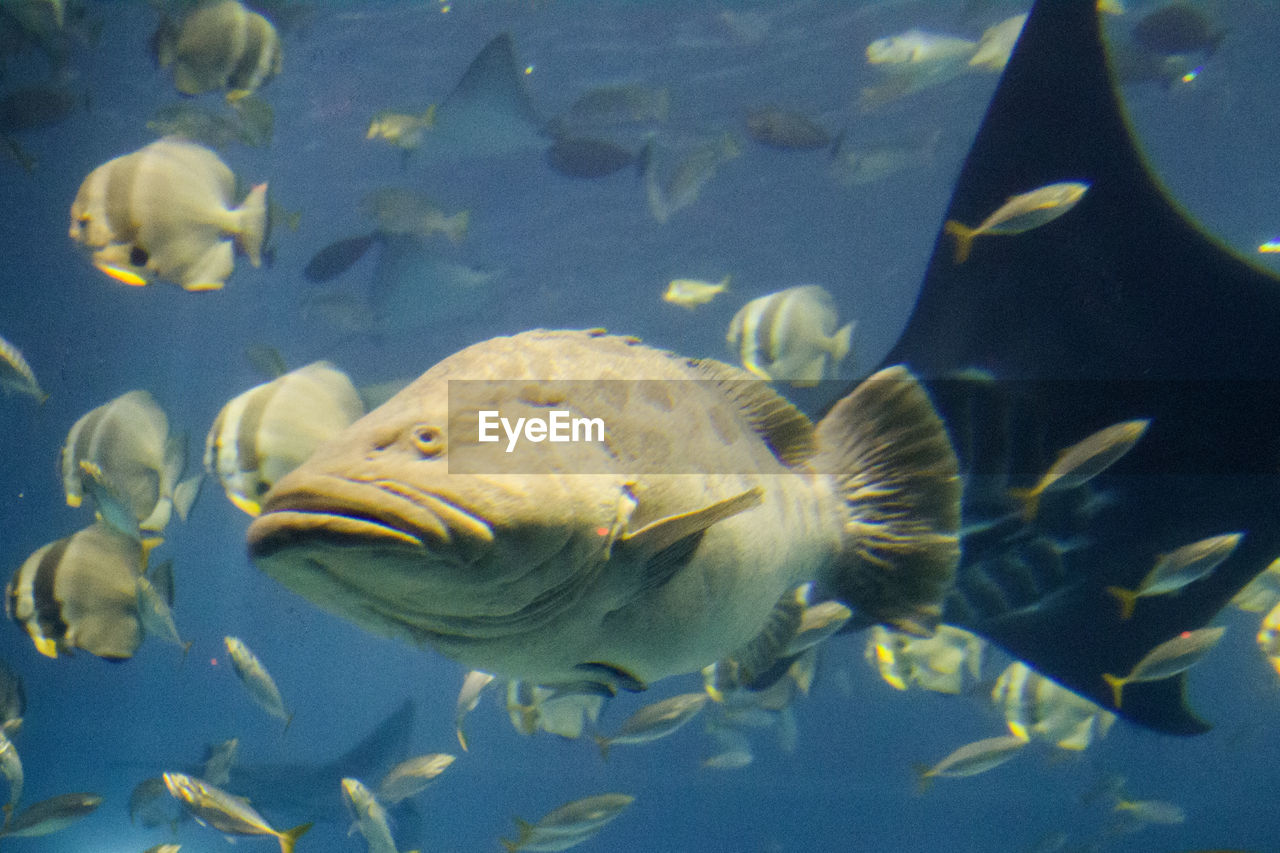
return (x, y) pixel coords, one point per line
(652, 552)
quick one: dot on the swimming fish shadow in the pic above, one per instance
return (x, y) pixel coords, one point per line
(1122, 309)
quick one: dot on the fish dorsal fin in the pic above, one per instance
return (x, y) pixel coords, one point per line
(786, 429)
(667, 544)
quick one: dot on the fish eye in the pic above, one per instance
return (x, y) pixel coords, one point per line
(428, 439)
(138, 256)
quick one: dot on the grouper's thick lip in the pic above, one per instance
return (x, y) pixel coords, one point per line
(354, 513)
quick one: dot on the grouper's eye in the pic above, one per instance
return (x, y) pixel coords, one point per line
(428, 439)
(138, 256)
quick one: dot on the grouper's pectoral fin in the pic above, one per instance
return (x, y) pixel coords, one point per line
(664, 546)
(1089, 319)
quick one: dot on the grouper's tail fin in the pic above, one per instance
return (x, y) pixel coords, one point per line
(888, 452)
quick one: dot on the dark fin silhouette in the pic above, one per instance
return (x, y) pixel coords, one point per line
(489, 111)
(1125, 309)
(338, 257)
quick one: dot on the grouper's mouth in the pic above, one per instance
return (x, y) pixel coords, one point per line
(381, 514)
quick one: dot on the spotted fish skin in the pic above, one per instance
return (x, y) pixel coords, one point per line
(624, 560)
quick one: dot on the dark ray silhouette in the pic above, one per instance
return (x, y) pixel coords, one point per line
(1120, 309)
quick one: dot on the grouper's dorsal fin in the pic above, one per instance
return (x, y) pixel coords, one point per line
(786, 429)
(665, 545)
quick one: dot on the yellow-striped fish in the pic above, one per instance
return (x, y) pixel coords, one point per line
(225, 812)
(269, 430)
(790, 336)
(1020, 213)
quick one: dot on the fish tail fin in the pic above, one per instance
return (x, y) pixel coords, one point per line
(963, 235)
(924, 777)
(1030, 500)
(886, 450)
(251, 230)
(841, 343)
(455, 227)
(524, 831)
(184, 495)
(462, 739)
(1127, 598)
(603, 743)
(290, 837)
(1116, 683)
(287, 722)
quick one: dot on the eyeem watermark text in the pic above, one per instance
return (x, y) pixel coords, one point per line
(558, 426)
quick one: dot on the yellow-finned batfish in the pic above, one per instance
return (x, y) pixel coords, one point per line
(973, 758)
(1166, 660)
(1269, 637)
(944, 663)
(267, 431)
(226, 812)
(655, 721)
(80, 593)
(570, 824)
(790, 336)
(165, 212)
(16, 375)
(997, 43)
(370, 814)
(1039, 708)
(51, 815)
(623, 560)
(123, 455)
(1176, 569)
(563, 710)
(412, 776)
(219, 46)
(257, 682)
(1081, 462)
(691, 292)
(1020, 213)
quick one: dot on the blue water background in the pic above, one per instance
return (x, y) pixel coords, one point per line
(575, 254)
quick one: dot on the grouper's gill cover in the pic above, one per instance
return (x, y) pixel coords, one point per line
(705, 503)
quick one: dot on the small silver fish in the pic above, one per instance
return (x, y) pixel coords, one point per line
(370, 815)
(227, 813)
(655, 721)
(49, 816)
(468, 697)
(1166, 660)
(570, 824)
(1176, 569)
(256, 680)
(1020, 213)
(974, 758)
(1081, 462)
(412, 776)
